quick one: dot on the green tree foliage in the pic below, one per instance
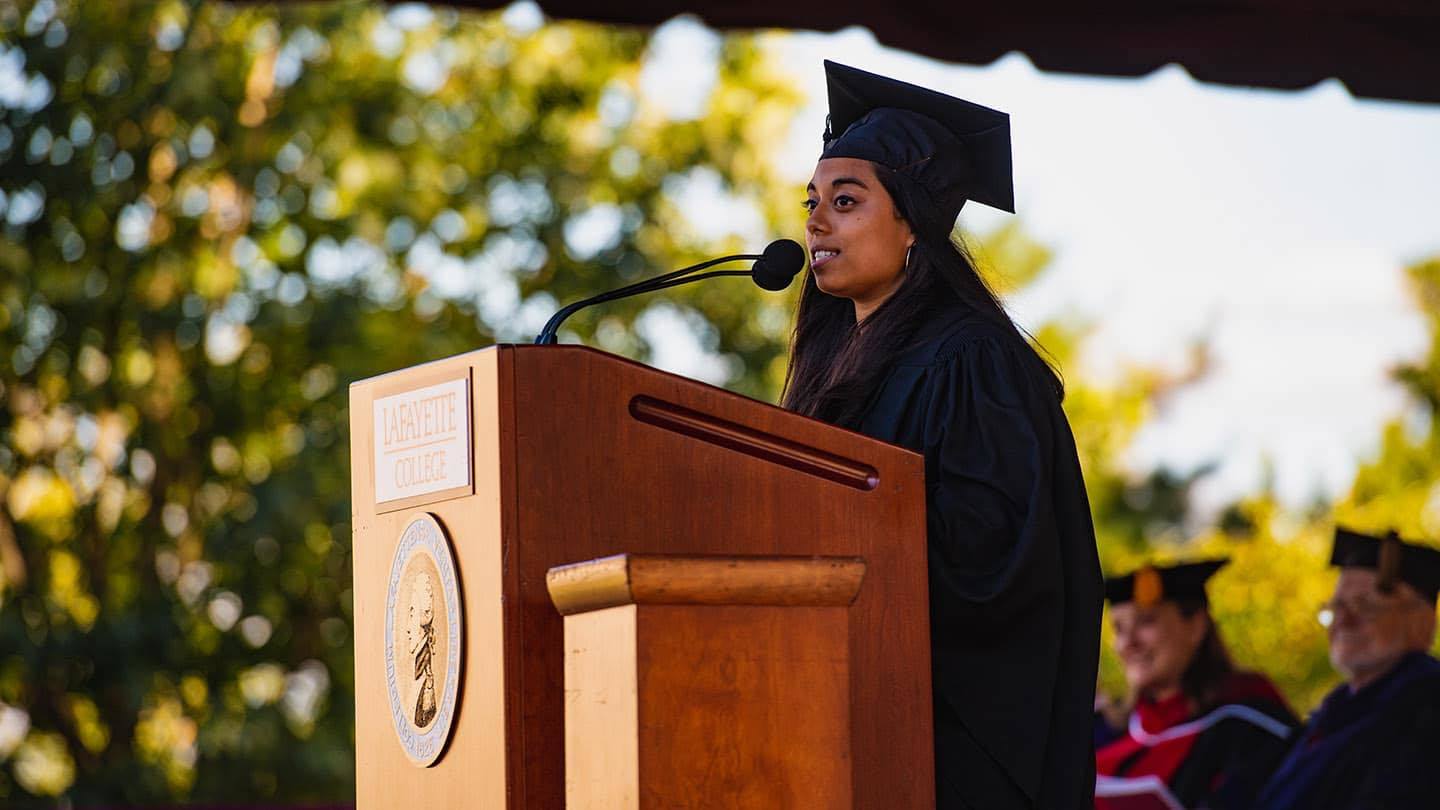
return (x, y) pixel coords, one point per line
(218, 216)
(1400, 487)
(214, 218)
(1133, 513)
(1265, 602)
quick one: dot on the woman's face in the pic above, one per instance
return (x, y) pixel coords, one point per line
(857, 240)
(1156, 645)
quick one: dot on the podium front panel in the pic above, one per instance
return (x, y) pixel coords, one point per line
(580, 454)
(471, 770)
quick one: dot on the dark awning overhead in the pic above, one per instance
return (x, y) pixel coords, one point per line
(1379, 48)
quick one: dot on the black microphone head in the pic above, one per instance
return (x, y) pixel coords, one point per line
(778, 264)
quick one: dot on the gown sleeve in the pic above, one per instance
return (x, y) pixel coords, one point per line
(988, 446)
(1014, 576)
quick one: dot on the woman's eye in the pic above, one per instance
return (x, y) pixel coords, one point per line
(844, 201)
(810, 204)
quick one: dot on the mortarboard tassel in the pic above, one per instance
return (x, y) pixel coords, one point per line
(1389, 563)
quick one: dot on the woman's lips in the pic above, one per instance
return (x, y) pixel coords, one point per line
(1134, 659)
(821, 258)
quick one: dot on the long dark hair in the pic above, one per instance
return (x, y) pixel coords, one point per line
(836, 364)
(1204, 679)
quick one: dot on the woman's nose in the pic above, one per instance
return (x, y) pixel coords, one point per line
(815, 223)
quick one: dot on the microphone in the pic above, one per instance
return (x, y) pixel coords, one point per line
(778, 264)
(773, 270)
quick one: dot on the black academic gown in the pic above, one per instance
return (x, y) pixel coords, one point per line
(1015, 585)
(1376, 749)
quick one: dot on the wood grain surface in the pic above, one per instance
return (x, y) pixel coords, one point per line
(471, 772)
(715, 682)
(708, 706)
(680, 579)
(565, 471)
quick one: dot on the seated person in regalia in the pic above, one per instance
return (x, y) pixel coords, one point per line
(1207, 732)
(1374, 743)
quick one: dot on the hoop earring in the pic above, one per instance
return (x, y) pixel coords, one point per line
(907, 256)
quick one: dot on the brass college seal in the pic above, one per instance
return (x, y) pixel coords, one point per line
(423, 635)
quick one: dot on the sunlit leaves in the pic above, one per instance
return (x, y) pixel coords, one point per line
(166, 737)
(43, 764)
(1265, 601)
(217, 216)
(214, 218)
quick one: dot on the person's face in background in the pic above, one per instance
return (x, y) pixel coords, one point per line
(1370, 631)
(856, 239)
(1156, 644)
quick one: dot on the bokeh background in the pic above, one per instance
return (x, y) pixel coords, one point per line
(214, 217)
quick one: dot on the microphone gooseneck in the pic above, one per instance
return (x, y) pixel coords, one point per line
(773, 270)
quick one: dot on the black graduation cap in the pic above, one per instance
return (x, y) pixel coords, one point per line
(953, 149)
(1396, 560)
(1152, 583)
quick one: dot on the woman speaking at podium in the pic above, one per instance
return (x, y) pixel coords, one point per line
(897, 336)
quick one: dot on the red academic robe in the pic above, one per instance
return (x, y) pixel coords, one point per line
(1214, 759)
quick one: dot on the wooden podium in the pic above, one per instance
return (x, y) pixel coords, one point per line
(707, 681)
(532, 457)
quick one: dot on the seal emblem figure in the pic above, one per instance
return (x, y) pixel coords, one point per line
(423, 640)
